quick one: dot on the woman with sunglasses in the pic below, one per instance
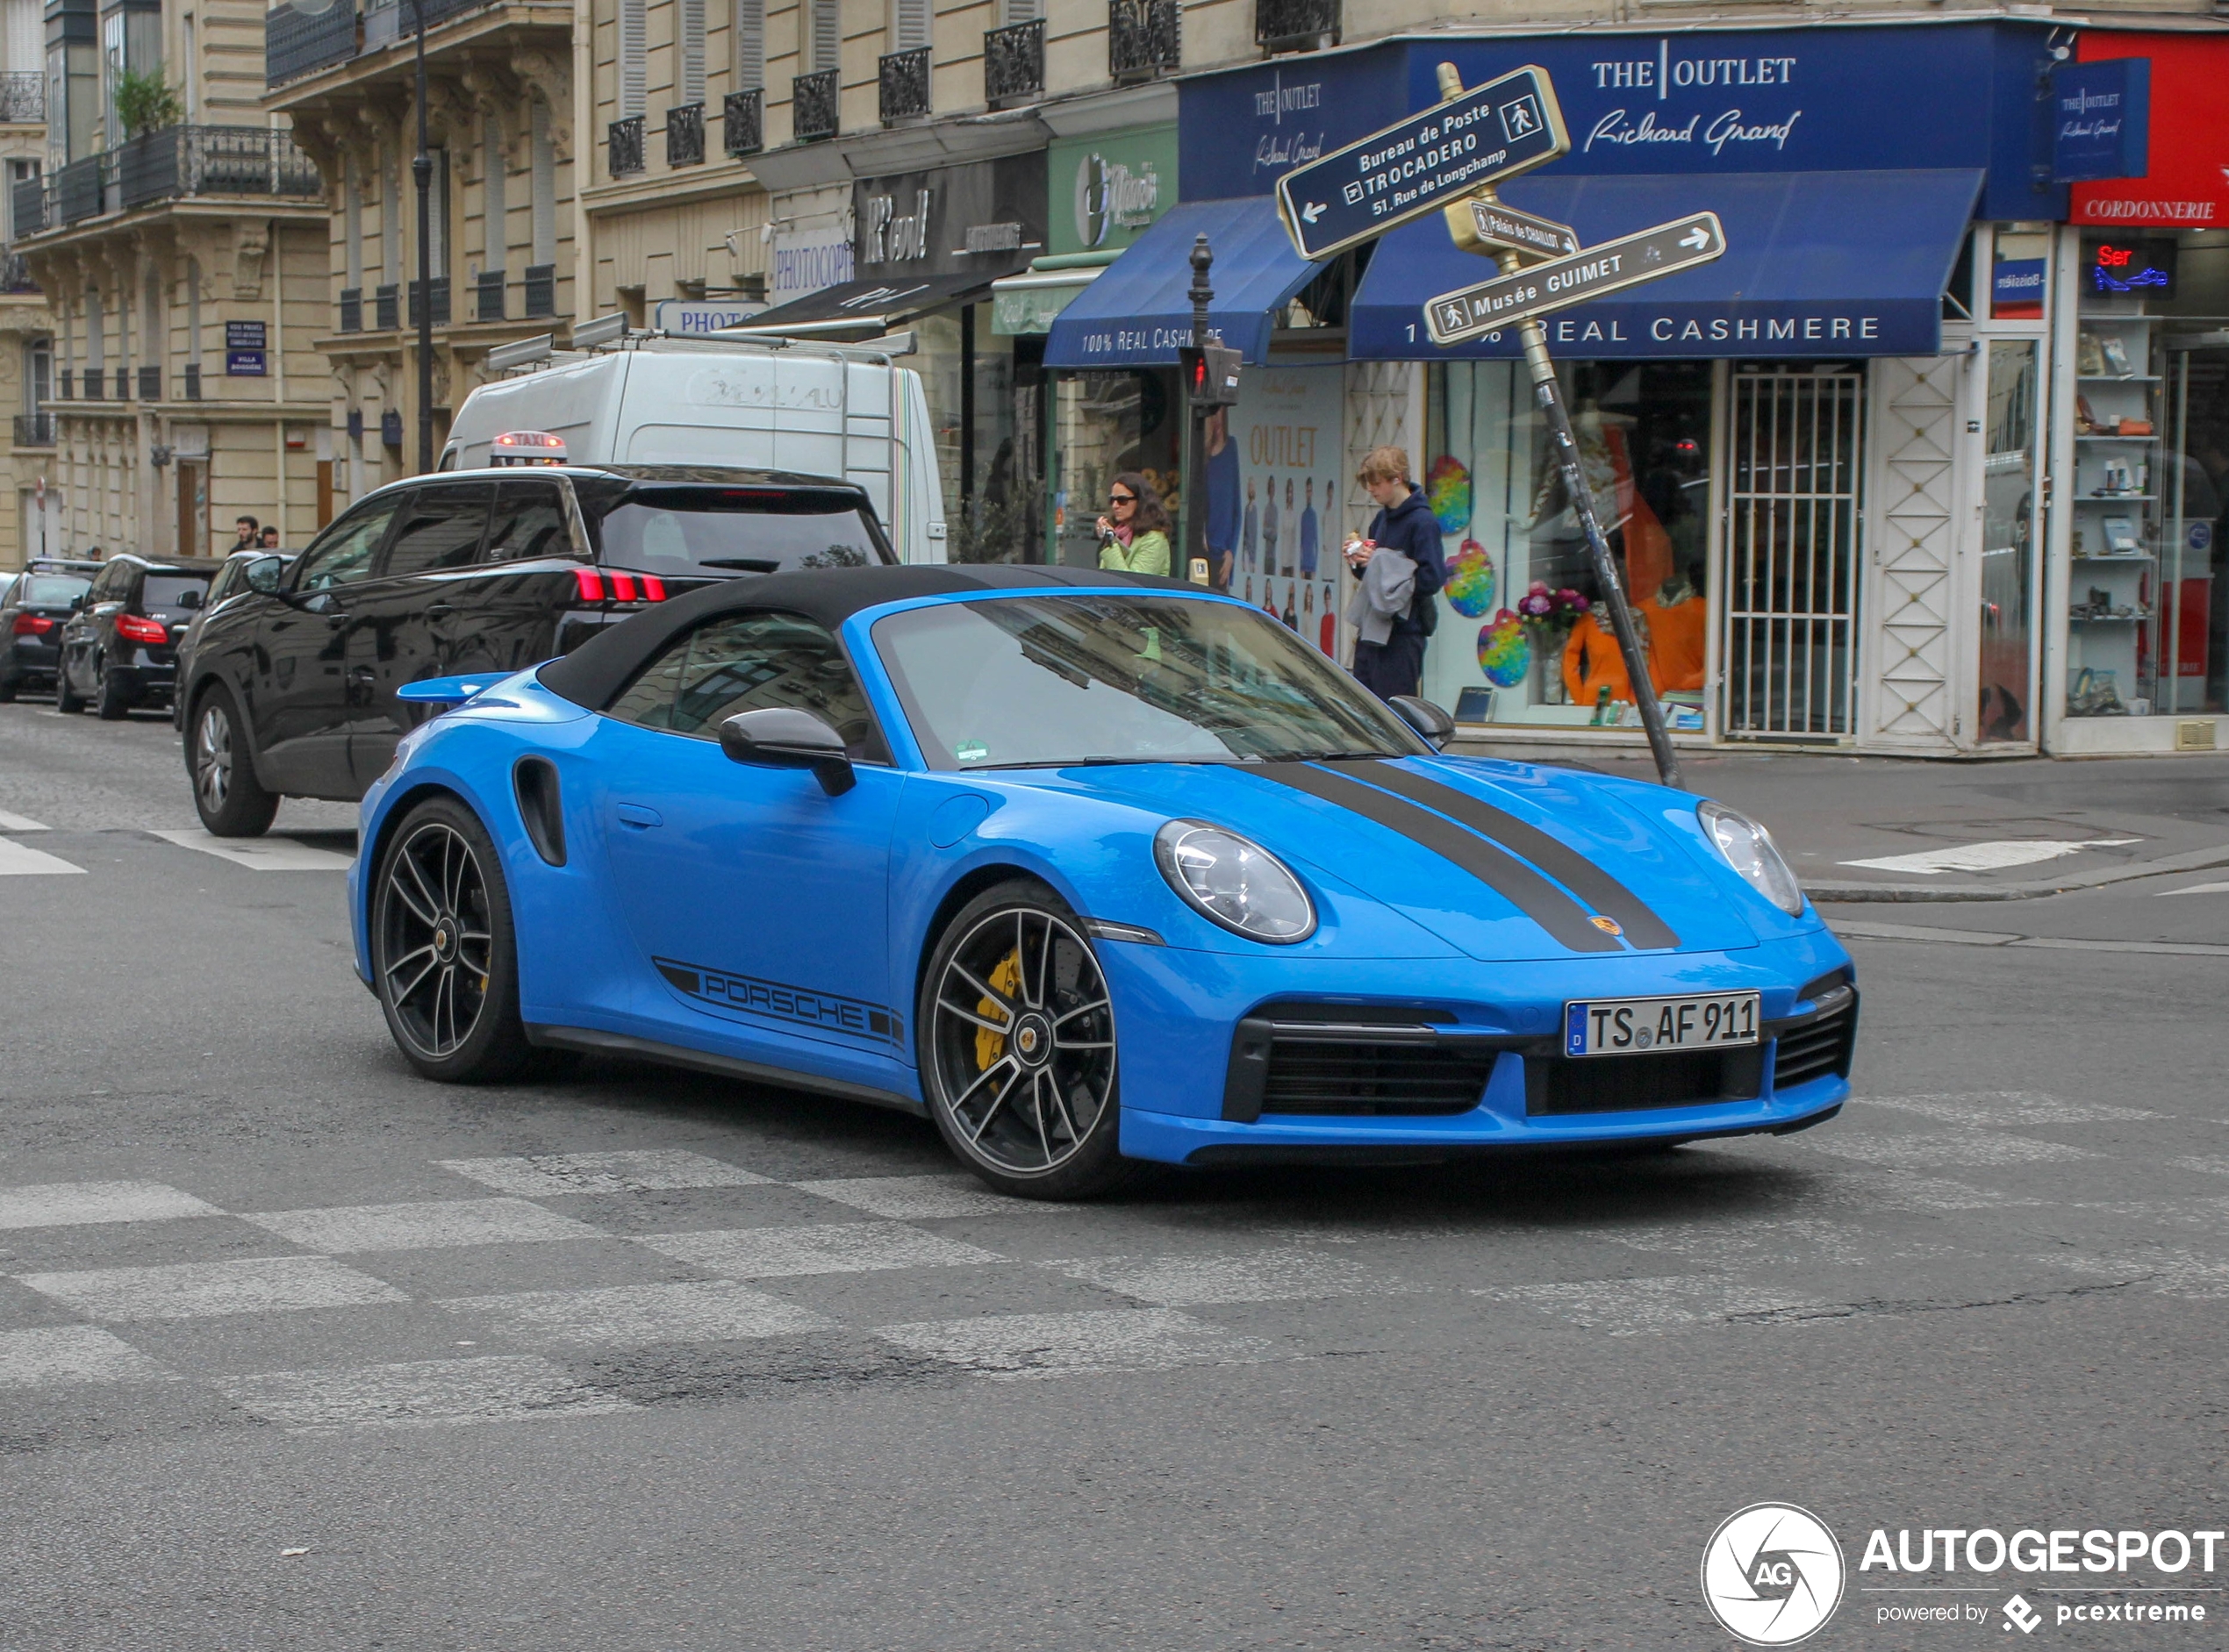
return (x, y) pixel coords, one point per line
(1134, 534)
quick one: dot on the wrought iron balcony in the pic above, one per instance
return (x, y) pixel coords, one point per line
(813, 106)
(1013, 64)
(624, 144)
(1291, 24)
(901, 85)
(150, 383)
(299, 42)
(15, 273)
(183, 160)
(386, 307)
(34, 429)
(23, 96)
(441, 289)
(193, 382)
(685, 135)
(542, 290)
(76, 192)
(487, 294)
(388, 21)
(95, 384)
(742, 123)
(352, 310)
(1144, 37)
(27, 206)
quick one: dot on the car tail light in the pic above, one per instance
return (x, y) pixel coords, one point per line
(622, 586)
(33, 625)
(590, 584)
(132, 627)
(653, 587)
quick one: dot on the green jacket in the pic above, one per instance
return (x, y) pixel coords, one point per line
(1149, 554)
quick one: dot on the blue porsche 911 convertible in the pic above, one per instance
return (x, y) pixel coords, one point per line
(1090, 870)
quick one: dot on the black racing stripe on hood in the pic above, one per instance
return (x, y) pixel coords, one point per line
(1498, 870)
(1566, 865)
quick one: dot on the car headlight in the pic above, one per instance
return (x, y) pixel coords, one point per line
(1235, 882)
(1750, 850)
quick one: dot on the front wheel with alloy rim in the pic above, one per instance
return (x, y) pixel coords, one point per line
(227, 795)
(444, 960)
(1016, 1034)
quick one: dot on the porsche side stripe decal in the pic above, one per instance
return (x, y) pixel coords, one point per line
(1531, 894)
(1559, 860)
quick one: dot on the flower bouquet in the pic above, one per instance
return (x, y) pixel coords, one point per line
(1549, 616)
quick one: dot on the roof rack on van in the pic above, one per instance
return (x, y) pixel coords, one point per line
(609, 332)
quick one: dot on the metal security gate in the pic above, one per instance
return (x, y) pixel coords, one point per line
(1791, 586)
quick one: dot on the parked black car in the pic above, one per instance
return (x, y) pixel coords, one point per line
(230, 585)
(291, 690)
(119, 650)
(37, 603)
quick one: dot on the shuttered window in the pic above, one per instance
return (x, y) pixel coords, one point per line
(494, 238)
(750, 44)
(828, 35)
(691, 23)
(634, 57)
(909, 23)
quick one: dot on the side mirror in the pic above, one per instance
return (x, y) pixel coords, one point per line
(782, 737)
(264, 573)
(189, 600)
(1430, 720)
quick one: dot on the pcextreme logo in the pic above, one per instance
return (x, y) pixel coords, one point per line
(1772, 1574)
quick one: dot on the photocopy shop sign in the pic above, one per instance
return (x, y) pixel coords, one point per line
(1495, 130)
(1471, 312)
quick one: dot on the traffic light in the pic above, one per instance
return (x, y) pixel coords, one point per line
(1211, 374)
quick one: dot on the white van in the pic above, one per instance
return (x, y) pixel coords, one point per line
(844, 412)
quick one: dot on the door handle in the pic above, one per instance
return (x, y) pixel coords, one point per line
(439, 611)
(634, 814)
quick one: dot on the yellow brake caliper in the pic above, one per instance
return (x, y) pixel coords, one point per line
(1006, 978)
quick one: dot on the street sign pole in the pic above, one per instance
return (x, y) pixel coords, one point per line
(1199, 565)
(1533, 337)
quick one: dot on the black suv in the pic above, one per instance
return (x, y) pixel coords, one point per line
(292, 687)
(119, 648)
(37, 603)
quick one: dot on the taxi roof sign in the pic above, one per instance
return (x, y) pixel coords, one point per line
(527, 447)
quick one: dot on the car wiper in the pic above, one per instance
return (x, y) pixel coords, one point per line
(747, 564)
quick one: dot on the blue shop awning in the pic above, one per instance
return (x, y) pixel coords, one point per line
(1136, 313)
(1830, 264)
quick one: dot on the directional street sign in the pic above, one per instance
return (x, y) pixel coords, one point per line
(1468, 312)
(1492, 131)
(1488, 226)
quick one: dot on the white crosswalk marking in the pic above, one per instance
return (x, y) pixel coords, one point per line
(19, 823)
(20, 859)
(772, 1253)
(424, 1224)
(421, 1394)
(72, 1353)
(638, 1316)
(653, 1171)
(1179, 1281)
(76, 1204)
(914, 1198)
(1094, 1340)
(190, 1289)
(259, 854)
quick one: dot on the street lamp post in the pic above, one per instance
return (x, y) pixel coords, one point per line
(422, 168)
(1195, 487)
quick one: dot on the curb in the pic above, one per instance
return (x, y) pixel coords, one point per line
(2191, 860)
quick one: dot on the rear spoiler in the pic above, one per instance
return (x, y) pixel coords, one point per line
(448, 690)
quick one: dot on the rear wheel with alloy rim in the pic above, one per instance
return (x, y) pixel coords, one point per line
(443, 956)
(227, 795)
(1017, 1044)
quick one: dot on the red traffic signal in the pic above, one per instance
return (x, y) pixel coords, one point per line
(1211, 374)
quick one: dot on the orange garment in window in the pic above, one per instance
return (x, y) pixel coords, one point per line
(1676, 643)
(1591, 659)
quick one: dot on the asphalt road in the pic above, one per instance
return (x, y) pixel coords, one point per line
(299, 1351)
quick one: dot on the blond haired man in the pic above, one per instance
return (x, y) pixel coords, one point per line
(1404, 523)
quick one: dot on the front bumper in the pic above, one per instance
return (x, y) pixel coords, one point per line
(1177, 1088)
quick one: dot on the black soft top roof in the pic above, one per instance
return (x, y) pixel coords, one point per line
(593, 674)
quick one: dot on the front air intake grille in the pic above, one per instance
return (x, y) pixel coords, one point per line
(1347, 1062)
(1635, 1084)
(1820, 1044)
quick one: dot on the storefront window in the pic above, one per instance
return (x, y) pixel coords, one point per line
(2008, 542)
(2193, 629)
(1105, 423)
(995, 517)
(1522, 637)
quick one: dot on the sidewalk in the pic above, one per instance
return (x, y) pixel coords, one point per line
(1889, 829)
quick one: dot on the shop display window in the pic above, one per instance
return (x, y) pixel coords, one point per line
(1103, 425)
(1522, 637)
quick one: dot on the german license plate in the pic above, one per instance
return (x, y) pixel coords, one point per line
(1632, 1027)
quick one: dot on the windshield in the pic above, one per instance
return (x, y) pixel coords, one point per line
(57, 591)
(174, 590)
(678, 532)
(1021, 682)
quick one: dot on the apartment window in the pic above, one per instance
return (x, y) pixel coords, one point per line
(193, 314)
(634, 57)
(26, 36)
(191, 69)
(352, 221)
(494, 236)
(750, 44)
(391, 219)
(909, 24)
(95, 333)
(437, 215)
(38, 373)
(828, 35)
(691, 23)
(18, 172)
(545, 188)
(151, 339)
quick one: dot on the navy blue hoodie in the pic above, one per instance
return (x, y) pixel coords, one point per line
(1412, 529)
